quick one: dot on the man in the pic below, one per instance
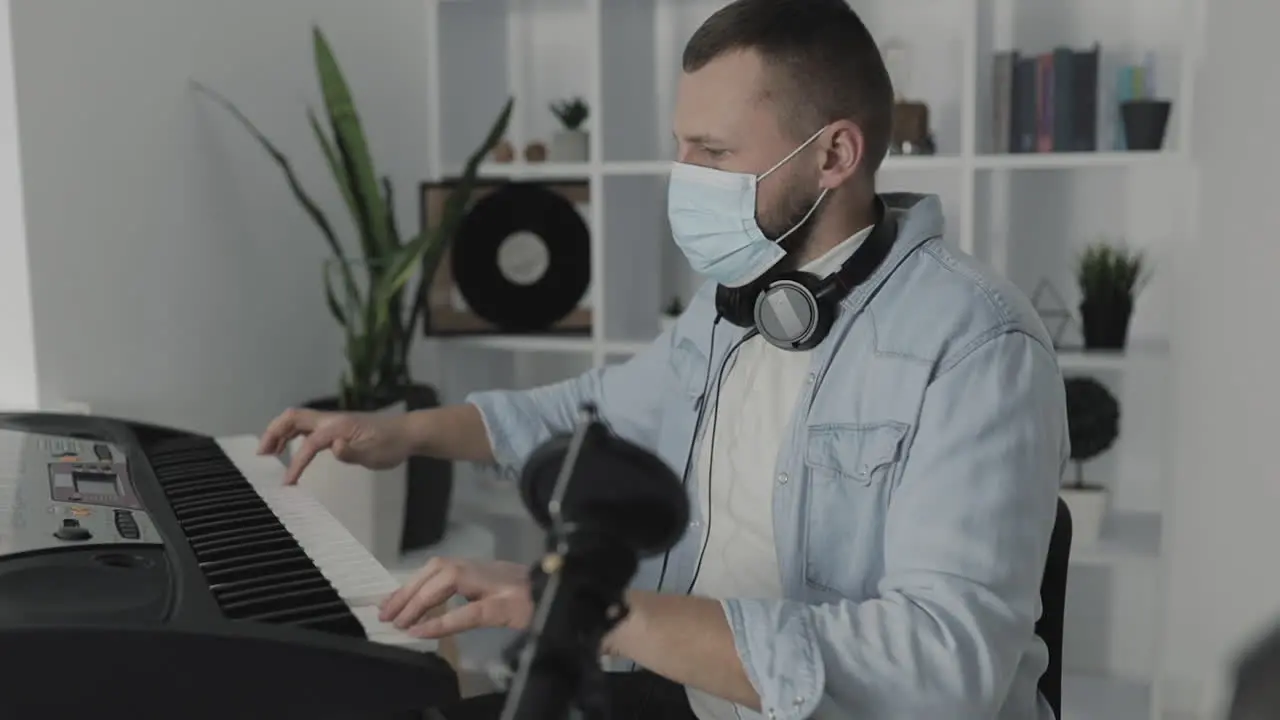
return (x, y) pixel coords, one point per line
(872, 516)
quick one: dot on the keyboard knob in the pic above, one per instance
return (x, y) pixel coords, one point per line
(71, 531)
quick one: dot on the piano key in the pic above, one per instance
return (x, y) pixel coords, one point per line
(353, 570)
(389, 634)
(357, 576)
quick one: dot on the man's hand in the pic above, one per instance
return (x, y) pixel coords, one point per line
(498, 592)
(373, 440)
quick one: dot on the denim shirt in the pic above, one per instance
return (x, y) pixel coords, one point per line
(913, 499)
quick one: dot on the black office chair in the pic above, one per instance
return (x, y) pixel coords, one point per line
(1053, 601)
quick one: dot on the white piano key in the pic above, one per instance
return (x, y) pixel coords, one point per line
(360, 580)
(389, 634)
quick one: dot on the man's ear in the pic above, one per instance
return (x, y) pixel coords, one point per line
(843, 153)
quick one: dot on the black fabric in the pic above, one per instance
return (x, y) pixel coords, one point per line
(632, 696)
(1053, 601)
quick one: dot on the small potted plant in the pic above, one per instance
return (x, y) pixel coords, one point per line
(1110, 279)
(1144, 118)
(671, 313)
(1093, 424)
(572, 143)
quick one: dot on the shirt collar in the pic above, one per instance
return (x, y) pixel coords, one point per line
(831, 260)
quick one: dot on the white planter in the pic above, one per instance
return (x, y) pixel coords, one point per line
(370, 504)
(1088, 511)
(570, 146)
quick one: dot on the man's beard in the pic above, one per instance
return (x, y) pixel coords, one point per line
(793, 211)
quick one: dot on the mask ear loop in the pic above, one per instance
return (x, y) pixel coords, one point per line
(817, 203)
(795, 152)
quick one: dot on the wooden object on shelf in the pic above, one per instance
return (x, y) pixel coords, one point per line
(910, 123)
(443, 316)
(535, 152)
(503, 152)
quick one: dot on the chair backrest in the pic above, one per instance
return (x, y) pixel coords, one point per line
(1053, 601)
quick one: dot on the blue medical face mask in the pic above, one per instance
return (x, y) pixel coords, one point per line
(713, 221)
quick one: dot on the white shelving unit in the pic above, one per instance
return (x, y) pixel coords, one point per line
(1026, 214)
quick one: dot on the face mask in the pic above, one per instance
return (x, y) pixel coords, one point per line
(713, 221)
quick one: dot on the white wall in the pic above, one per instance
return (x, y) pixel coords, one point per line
(1224, 586)
(174, 277)
(17, 353)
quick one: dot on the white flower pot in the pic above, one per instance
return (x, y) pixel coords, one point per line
(370, 504)
(1088, 511)
(570, 146)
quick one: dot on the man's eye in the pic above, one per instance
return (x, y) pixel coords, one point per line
(714, 152)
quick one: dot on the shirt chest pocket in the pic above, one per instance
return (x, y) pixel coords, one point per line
(851, 471)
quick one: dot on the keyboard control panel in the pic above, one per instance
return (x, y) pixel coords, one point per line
(60, 491)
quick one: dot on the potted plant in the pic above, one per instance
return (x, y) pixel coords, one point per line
(572, 143)
(1110, 279)
(1093, 424)
(368, 298)
(671, 313)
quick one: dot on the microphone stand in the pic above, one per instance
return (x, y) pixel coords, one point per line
(578, 588)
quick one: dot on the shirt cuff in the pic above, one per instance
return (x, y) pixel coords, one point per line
(777, 644)
(493, 406)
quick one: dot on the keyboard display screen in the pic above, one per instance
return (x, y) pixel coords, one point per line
(95, 483)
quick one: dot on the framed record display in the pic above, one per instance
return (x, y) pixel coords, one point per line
(519, 263)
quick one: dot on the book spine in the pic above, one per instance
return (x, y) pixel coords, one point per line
(1063, 100)
(1002, 102)
(1044, 103)
(1024, 105)
(1084, 76)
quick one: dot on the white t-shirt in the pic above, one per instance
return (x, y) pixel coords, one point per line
(756, 402)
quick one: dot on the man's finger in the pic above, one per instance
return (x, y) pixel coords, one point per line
(481, 613)
(287, 425)
(434, 592)
(307, 451)
(396, 601)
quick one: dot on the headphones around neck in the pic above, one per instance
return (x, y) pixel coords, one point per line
(794, 309)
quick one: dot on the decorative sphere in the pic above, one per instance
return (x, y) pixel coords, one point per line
(1093, 418)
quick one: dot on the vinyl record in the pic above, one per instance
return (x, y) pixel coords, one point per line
(522, 257)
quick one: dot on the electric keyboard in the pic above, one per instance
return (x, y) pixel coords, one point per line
(150, 572)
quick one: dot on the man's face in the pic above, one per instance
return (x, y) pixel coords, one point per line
(728, 118)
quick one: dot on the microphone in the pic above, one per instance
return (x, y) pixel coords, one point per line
(605, 504)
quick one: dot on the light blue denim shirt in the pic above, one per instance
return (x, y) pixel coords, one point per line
(915, 495)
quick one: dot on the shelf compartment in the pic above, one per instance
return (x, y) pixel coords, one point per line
(1079, 160)
(1086, 697)
(1127, 536)
(1139, 351)
(534, 171)
(536, 51)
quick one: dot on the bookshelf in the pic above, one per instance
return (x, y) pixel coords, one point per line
(1026, 214)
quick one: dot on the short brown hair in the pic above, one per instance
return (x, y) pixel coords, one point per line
(831, 68)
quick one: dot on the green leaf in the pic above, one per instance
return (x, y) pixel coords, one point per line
(308, 205)
(335, 307)
(350, 139)
(335, 167)
(393, 229)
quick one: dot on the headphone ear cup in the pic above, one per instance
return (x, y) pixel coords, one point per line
(737, 305)
(822, 322)
(805, 317)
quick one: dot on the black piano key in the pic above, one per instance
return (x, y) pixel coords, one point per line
(255, 568)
